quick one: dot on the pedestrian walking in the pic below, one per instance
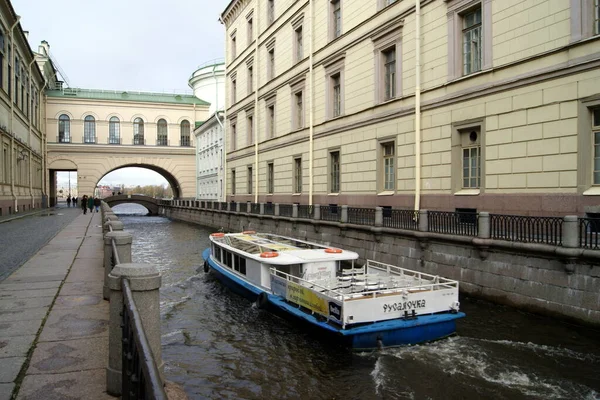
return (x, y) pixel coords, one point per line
(84, 200)
(97, 203)
(68, 201)
(74, 201)
(90, 203)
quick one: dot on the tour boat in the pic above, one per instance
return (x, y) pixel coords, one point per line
(368, 306)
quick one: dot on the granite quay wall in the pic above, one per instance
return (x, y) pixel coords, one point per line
(560, 280)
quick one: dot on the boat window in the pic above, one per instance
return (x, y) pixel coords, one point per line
(227, 258)
(242, 265)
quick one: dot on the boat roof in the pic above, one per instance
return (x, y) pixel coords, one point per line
(289, 250)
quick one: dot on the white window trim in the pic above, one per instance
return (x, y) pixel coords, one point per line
(270, 130)
(296, 25)
(585, 147)
(390, 35)
(381, 190)
(233, 44)
(250, 27)
(270, 47)
(295, 175)
(331, 23)
(456, 157)
(456, 8)
(298, 87)
(250, 128)
(333, 68)
(582, 19)
(329, 169)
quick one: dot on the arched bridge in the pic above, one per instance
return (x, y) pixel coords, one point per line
(149, 202)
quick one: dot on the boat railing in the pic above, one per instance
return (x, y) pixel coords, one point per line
(399, 271)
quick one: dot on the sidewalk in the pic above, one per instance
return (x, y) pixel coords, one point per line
(53, 320)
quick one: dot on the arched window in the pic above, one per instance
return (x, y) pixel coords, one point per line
(185, 133)
(161, 140)
(64, 129)
(89, 129)
(138, 131)
(114, 131)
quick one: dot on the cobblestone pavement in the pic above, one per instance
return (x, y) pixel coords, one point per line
(23, 236)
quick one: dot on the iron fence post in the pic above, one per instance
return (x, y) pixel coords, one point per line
(317, 211)
(344, 215)
(570, 231)
(144, 281)
(378, 216)
(423, 221)
(123, 242)
(484, 225)
(294, 210)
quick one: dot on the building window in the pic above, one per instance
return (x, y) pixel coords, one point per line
(233, 136)
(17, 72)
(2, 54)
(298, 175)
(336, 87)
(299, 44)
(233, 47)
(250, 79)
(270, 178)
(468, 149)
(233, 90)
(596, 17)
(114, 131)
(64, 129)
(596, 138)
(250, 30)
(336, 19)
(89, 129)
(471, 167)
(389, 71)
(298, 111)
(270, 11)
(249, 180)
(138, 131)
(471, 39)
(271, 64)
(388, 165)
(271, 121)
(233, 181)
(334, 171)
(250, 126)
(162, 137)
(185, 133)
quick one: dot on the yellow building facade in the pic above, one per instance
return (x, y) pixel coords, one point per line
(493, 106)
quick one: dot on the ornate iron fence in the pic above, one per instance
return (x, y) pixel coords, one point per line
(527, 229)
(140, 376)
(286, 210)
(453, 223)
(361, 216)
(401, 219)
(255, 208)
(223, 205)
(269, 209)
(589, 233)
(331, 213)
(304, 211)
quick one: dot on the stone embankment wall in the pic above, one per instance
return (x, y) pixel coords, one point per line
(540, 278)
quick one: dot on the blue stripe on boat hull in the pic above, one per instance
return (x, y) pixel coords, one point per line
(390, 333)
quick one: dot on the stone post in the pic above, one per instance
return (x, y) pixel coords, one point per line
(423, 221)
(316, 211)
(261, 209)
(123, 242)
(294, 210)
(276, 210)
(248, 207)
(570, 231)
(344, 216)
(116, 226)
(484, 225)
(378, 216)
(144, 281)
(238, 206)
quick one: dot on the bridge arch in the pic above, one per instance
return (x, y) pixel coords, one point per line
(150, 203)
(171, 179)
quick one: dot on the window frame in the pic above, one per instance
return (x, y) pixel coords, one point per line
(298, 39)
(64, 125)
(89, 129)
(270, 116)
(250, 139)
(270, 177)
(185, 136)
(233, 44)
(233, 185)
(249, 179)
(250, 27)
(389, 37)
(270, 11)
(335, 68)
(583, 24)
(456, 11)
(460, 140)
(335, 24)
(381, 167)
(162, 132)
(298, 121)
(233, 136)
(334, 169)
(250, 76)
(138, 133)
(297, 175)
(585, 146)
(114, 130)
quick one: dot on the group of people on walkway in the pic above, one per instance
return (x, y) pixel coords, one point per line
(73, 200)
(91, 203)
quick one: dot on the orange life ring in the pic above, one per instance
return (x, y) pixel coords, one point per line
(217, 234)
(332, 250)
(269, 254)
(249, 232)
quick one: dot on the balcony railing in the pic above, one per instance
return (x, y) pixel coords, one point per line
(162, 141)
(138, 141)
(63, 139)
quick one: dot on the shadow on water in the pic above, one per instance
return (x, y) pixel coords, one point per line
(219, 345)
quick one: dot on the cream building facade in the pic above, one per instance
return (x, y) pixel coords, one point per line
(484, 105)
(21, 119)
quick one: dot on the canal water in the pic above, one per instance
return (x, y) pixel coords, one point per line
(217, 345)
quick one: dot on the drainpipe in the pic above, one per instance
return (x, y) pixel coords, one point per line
(310, 111)
(223, 128)
(256, 113)
(418, 105)
(30, 123)
(46, 189)
(12, 111)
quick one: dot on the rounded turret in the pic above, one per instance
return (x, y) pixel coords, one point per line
(208, 84)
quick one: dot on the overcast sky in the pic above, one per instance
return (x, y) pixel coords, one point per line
(136, 45)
